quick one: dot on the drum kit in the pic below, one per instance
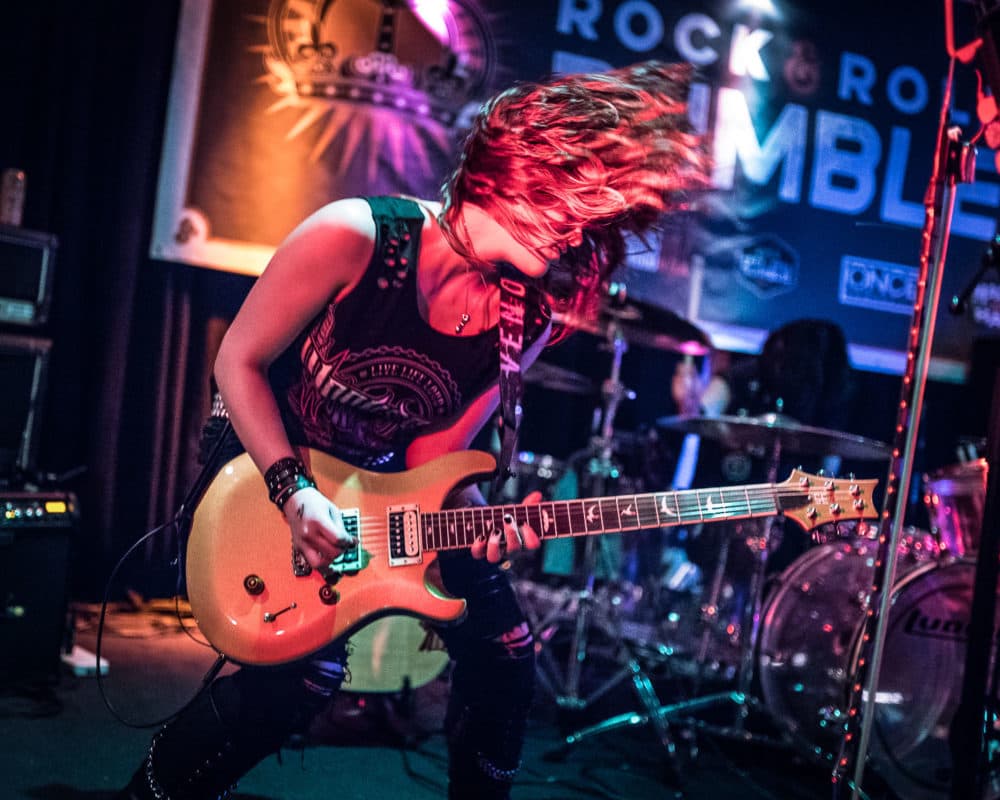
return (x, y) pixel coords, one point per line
(789, 638)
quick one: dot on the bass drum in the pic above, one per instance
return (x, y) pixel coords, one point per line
(809, 646)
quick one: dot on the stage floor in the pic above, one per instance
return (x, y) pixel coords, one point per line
(63, 743)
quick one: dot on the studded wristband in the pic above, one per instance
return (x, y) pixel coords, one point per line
(284, 478)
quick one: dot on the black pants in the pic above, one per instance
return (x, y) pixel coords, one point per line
(245, 716)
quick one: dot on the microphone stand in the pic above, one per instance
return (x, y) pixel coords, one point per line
(954, 162)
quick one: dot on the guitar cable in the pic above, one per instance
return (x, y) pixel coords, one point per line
(180, 524)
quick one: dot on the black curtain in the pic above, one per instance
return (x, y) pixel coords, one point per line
(84, 91)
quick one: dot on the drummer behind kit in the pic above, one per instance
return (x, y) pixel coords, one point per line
(793, 640)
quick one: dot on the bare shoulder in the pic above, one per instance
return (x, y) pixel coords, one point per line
(329, 249)
(345, 222)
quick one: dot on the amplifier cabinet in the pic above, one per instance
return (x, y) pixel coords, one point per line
(27, 263)
(35, 541)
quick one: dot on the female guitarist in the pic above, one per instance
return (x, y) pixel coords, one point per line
(374, 335)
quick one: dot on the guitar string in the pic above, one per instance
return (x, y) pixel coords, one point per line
(373, 525)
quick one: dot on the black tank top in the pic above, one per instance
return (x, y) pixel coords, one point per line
(369, 373)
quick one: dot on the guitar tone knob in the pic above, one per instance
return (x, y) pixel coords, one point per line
(328, 596)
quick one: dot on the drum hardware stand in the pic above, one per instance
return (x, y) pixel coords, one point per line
(658, 715)
(954, 162)
(598, 470)
(742, 697)
(714, 596)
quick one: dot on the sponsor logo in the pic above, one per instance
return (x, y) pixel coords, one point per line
(768, 267)
(880, 285)
(986, 305)
(930, 626)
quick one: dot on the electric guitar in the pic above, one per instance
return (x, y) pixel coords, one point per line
(253, 607)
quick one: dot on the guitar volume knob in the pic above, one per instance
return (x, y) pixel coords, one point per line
(253, 584)
(328, 596)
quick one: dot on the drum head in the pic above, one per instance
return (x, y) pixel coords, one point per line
(920, 682)
(809, 646)
(808, 635)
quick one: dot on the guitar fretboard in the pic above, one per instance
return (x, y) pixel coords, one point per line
(457, 528)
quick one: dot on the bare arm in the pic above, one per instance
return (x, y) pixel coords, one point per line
(321, 260)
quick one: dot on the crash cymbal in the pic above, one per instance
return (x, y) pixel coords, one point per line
(768, 429)
(641, 324)
(559, 379)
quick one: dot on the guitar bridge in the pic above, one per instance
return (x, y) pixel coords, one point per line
(404, 535)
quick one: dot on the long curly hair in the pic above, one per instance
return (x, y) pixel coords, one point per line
(588, 157)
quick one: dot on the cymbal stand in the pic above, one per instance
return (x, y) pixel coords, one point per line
(741, 697)
(599, 468)
(755, 601)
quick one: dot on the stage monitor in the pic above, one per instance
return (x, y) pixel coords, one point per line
(27, 260)
(24, 364)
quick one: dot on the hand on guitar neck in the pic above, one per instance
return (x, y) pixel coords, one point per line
(513, 536)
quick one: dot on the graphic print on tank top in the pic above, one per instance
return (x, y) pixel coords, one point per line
(371, 374)
(359, 404)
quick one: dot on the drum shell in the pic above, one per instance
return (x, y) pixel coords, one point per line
(954, 498)
(808, 632)
(809, 650)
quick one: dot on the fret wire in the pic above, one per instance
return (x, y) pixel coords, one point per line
(533, 518)
(468, 525)
(610, 518)
(631, 512)
(646, 505)
(546, 520)
(451, 528)
(481, 526)
(592, 521)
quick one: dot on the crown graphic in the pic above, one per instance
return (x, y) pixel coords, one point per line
(379, 53)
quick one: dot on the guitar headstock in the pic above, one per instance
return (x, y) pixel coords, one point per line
(814, 500)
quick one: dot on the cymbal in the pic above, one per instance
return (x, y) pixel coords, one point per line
(770, 429)
(642, 324)
(559, 379)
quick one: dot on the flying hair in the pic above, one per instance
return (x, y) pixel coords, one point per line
(580, 161)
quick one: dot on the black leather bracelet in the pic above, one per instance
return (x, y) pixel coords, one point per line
(280, 468)
(301, 482)
(284, 478)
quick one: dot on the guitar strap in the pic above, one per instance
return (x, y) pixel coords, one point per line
(512, 309)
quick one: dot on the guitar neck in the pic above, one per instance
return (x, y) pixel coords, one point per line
(458, 528)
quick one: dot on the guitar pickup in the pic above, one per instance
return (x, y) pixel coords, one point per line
(404, 535)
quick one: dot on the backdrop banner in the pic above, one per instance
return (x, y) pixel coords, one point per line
(822, 128)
